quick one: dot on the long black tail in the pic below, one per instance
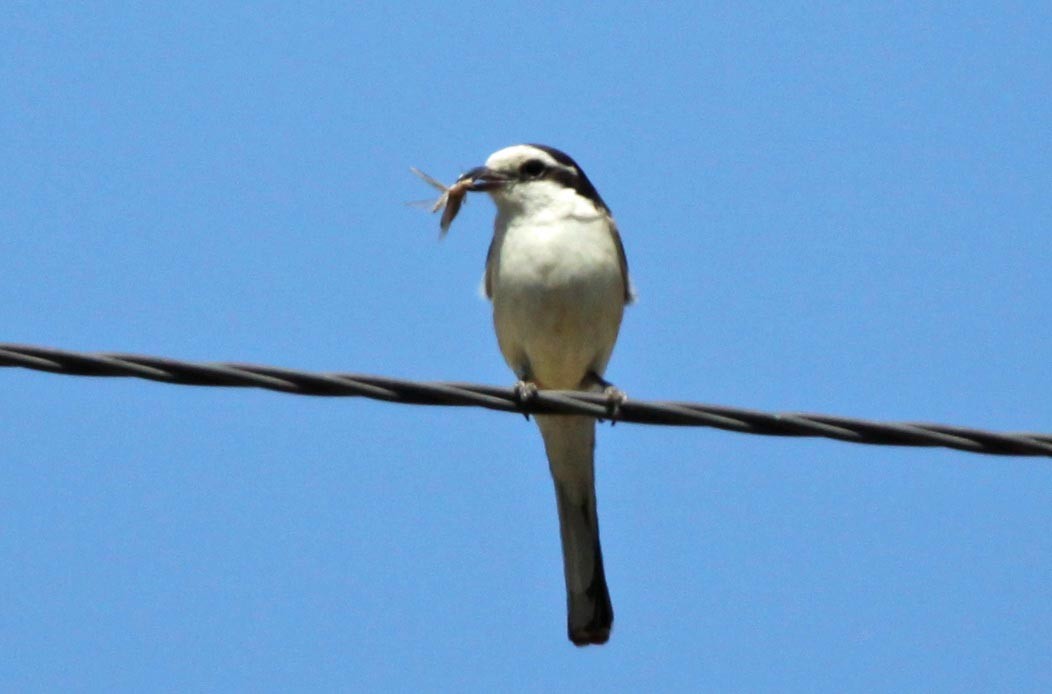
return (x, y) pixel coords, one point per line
(570, 443)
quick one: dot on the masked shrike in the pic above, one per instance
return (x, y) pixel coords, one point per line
(558, 279)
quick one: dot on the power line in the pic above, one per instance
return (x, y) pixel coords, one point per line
(505, 399)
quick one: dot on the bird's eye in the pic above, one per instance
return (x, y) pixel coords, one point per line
(532, 168)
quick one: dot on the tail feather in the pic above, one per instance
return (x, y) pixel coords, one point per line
(570, 443)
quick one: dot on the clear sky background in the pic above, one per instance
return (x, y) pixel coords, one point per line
(829, 208)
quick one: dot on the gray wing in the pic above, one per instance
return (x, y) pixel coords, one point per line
(629, 295)
(491, 259)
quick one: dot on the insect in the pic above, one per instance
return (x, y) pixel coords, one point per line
(451, 199)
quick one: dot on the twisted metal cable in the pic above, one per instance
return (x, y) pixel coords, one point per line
(506, 400)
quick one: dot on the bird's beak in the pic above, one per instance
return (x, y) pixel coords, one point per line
(483, 179)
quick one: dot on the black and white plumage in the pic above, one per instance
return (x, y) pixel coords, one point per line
(558, 279)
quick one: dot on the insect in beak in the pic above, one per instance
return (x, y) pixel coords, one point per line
(451, 199)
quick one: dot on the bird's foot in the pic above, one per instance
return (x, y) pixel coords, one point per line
(525, 391)
(615, 397)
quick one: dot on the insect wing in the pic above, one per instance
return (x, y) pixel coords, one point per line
(429, 180)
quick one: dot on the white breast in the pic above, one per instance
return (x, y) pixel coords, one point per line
(558, 293)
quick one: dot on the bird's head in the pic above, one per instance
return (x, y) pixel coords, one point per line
(528, 177)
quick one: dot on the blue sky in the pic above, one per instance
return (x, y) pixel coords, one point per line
(840, 209)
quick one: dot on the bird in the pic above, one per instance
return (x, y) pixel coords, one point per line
(557, 276)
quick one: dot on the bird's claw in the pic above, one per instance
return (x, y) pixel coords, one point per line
(615, 398)
(525, 391)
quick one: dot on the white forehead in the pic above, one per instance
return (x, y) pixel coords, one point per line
(511, 158)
